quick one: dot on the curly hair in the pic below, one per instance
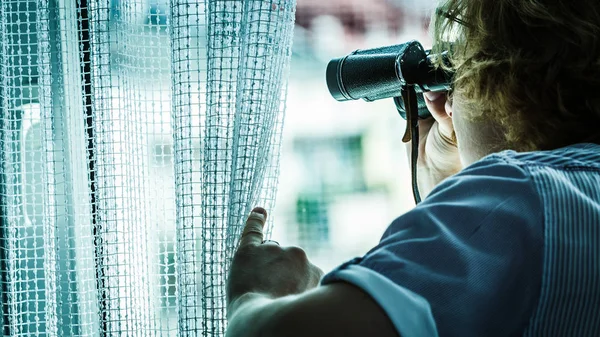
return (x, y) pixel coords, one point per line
(530, 66)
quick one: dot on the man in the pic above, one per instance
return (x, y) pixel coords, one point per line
(507, 240)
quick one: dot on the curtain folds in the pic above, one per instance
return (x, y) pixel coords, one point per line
(135, 136)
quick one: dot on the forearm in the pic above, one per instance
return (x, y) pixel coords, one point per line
(326, 311)
(440, 160)
(253, 315)
(429, 178)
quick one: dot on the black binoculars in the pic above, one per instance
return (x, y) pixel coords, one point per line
(379, 73)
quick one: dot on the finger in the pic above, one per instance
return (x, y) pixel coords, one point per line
(446, 126)
(316, 276)
(441, 109)
(448, 107)
(437, 104)
(297, 253)
(253, 231)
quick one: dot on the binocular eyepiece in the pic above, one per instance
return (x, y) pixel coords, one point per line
(380, 73)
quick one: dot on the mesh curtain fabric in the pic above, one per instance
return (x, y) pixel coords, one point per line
(135, 136)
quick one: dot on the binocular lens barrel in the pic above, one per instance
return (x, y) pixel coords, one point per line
(381, 73)
(365, 74)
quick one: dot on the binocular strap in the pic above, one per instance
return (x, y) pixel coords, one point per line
(411, 134)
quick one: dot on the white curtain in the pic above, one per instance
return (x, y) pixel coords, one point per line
(135, 136)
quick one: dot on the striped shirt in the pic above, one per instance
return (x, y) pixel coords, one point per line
(510, 246)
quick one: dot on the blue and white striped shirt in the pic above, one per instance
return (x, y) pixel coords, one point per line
(510, 246)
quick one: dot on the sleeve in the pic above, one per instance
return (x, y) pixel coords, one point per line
(467, 261)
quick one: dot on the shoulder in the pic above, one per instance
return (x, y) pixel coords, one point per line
(487, 174)
(512, 179)
(584, 155)
(471, 251)
(509, 178)
(471, 254)
(495, 190)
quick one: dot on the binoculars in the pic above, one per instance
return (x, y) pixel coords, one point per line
(384, 72)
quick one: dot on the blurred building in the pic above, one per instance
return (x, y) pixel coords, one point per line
(355, 16)
(338, 26)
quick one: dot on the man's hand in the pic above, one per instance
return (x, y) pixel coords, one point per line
(272, 291)
(438, 151)
(265, 268)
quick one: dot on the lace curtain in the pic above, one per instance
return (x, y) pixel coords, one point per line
(135, 136)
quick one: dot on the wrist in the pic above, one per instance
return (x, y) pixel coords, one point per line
(238, 303)
(248, 315)
(441, 160)
(446, 138)
(441, 147)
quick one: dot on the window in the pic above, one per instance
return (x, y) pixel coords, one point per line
(339, 159)
(336, 158)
